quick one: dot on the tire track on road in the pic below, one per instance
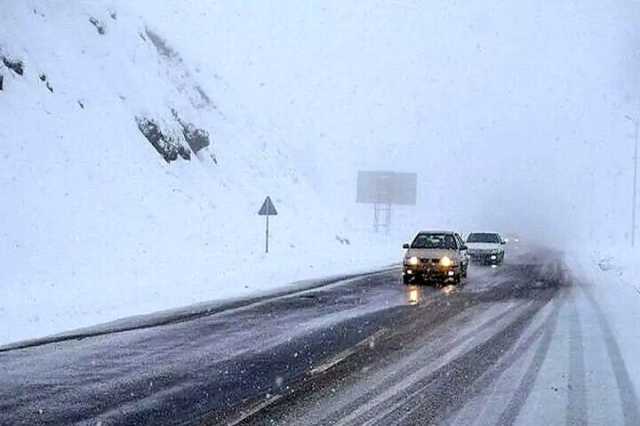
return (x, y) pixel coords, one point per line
(430, 394)
(457, 382)
(485, 387)
(626, 390)
(521, 394)
(577, 403)
(386, 392)
(449, 388)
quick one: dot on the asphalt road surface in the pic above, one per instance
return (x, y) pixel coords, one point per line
(520, 344)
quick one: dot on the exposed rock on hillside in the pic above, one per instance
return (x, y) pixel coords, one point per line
(166, 145)
(100, 27)
(14, 65)
(197, 139)
(161, 45)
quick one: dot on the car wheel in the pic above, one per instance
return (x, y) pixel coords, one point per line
(464, 271)
(406, 279)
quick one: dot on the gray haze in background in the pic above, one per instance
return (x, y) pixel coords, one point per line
(512, 113)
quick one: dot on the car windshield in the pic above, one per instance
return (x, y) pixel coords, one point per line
(483, 238)
(434, 241)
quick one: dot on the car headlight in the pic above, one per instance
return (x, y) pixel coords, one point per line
(446, 262)
(413, 261)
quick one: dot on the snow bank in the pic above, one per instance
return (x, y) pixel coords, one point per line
(611, 278)
(99, 221)
(614, 264)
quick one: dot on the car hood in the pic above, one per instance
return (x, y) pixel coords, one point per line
(430, 253)
(484, 246)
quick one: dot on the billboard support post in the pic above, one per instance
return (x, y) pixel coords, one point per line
(384, 189)
(388, 224)
(381, 217)
(375, 217)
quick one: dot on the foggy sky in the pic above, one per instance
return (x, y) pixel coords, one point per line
(512, 113)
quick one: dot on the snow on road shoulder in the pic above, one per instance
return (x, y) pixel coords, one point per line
(611, 279)
(623, 263)
(619, 265)
(50, 311)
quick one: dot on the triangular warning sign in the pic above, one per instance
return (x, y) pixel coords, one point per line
(267, 209)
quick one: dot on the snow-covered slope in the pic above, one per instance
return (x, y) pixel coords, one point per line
(96, 221)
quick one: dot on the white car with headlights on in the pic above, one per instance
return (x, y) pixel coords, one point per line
(435, 256)
(486, 248)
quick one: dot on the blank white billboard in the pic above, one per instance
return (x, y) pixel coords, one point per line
(381, 187)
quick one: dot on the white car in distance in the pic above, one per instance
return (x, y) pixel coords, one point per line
(486, 248)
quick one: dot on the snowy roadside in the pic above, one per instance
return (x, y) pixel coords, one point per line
(55, 310)
(197, 310)
(621, 264)
(612, 280)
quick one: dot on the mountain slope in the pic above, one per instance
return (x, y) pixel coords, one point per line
(103, 221)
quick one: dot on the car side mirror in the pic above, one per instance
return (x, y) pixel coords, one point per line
(405, 246)
(464, 247)
(503, 242)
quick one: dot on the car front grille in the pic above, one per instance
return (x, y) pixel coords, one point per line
(426, 260)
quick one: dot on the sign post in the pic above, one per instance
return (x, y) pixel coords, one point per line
(267, 209)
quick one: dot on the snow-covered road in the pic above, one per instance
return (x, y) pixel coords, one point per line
(532, 342)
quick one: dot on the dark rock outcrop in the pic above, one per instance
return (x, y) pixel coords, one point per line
(343, 240)
(43, 78)
(100, 27)
(161, 45)
(196, 138)
(167, 146)
(14, 65)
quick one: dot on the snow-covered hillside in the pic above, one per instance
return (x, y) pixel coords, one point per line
(100, 221)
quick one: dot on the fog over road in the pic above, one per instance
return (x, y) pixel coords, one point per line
(520, 344)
